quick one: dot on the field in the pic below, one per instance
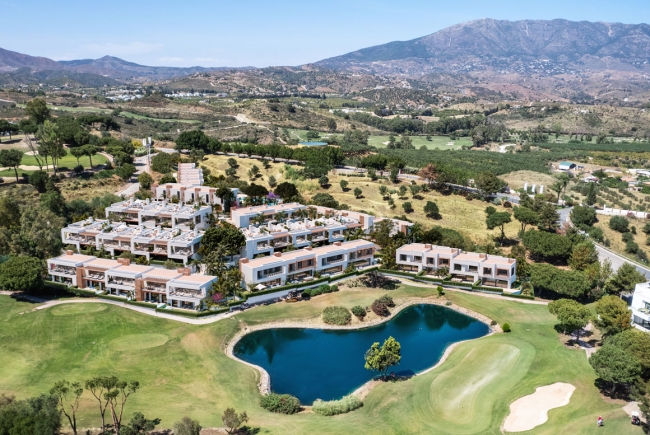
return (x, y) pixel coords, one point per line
(183, 370)
(67, 162)
(457, 213)
(517, 179)
(436, 142)
(616, 242)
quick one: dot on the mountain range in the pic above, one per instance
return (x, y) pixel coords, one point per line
(472, 46)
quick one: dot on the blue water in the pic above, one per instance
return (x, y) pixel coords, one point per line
(313, 144)
(324, 364)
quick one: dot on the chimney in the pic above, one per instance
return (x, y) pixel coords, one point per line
(337, 243)
(124, 261)
(308, 248)
(243, 260)
(277, 254)
(427, 246)
(69, 252)
(186, 271)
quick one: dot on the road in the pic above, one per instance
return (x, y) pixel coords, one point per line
(141, 165)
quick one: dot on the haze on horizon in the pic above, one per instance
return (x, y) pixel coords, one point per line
(258, 33)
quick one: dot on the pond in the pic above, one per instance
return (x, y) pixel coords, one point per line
(313, 144)
(328, 364)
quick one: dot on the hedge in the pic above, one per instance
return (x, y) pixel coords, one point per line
(80, 292)
(142, 304)
(193, 314)
(487, 289)
(335, 407)
(57, 285)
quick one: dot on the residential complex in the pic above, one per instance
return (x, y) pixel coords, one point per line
(490, 270)
(160, 213)
(177, 288)
(155, 243)
(304, 264)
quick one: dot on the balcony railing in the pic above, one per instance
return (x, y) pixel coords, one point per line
(66, 270)
(121, 281)
(186, 293)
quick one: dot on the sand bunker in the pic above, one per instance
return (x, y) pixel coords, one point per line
(530, 411)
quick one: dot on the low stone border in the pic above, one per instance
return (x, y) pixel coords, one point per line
(264, 383)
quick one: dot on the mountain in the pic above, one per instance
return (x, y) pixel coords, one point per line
(11, 61)
(117, 68)
(489, 43)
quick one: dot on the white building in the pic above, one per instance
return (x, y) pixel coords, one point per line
(160, 213)
(641, 307)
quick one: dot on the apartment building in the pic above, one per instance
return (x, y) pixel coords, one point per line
(155, 243)
(178, 288)
(160, 213)
(243, 217)
(468, 267)
(302, 265)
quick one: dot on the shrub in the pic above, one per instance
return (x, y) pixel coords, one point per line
(78, 169)
(359, 312)
(506, 327)
(337, 316)
(440, 291)
(627, 237)
(280, 403)
(335, 407)
(379, 308)
(334, 288)
(387, 300)
(619, 223)
(493, 323)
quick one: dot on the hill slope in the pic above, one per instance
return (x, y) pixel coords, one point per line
(494, 43)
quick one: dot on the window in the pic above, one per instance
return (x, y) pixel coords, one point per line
(457, 267)
(473, 268)
(502, 272)
(487, 271)
(402, 257)
(443, 262)
(417, 259)
(431, 260)
(647, 305)
(513, 271)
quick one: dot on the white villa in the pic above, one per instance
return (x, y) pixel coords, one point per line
(641, 307)
(160, 213)
(491, 270)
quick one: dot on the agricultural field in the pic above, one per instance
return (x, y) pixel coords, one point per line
(436, 142)
(183, 369)
(517, 179)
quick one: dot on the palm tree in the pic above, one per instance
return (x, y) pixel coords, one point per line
(280, 216)
(356, 234)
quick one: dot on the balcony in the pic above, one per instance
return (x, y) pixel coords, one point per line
(184, 252)
(338, 236)
(64, 270)
(95, 276)
(186, 293)
(268, 275)
(121, 281)
(155, 288)
(281, 243)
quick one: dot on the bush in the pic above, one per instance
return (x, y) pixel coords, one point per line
(78, 169)
(619, 223)
(337, 316)
(387, 300)
(440, 291)
(359, 312)
(506, 327)
(379, 308)
(335, 407)
(334, 288)
(627, 237)
(280, 403)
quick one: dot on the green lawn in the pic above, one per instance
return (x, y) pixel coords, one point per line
(86, 109)
(183, 370)
(68, 161)
(436, 142)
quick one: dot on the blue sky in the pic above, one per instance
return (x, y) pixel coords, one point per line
(260, 33)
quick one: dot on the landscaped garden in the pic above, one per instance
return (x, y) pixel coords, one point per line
(183, 370)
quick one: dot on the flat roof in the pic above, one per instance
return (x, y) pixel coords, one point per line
(497, 259)
(103, 262)
(162, 273)
(268, 260)
(470, 256)
(74, 258)
(193, 279)
(132, 269)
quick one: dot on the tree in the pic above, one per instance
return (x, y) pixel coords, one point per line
(126, 171)
(190, 140)
(77, 153)
(37, 110)
(51, 143)
(324, 200)
(613, 315)
(34, 416)
(98, 387)
(429, 173)
(381, 358)
(343, 184)
(40, 232)
(255, 171)
(323, 181)
(636, 343)
(431, 210)
(549, 246)
(402, 191)
(286, 191)
(232, 420)
(331, 125)
(570, 283)
(619, 223)
(616, 366)
(583, 216)
(68, 407)
(488, 183)
(90, 150)
(624, 280)
(357, 192)
(591, 195)
(226, 196)
(224, 235)
(187, 426)
(145, 181)
(139, 425)
(571, 315)
(498, 220)
(232, 163)
(11, 159)
(117, 395)
(272, 181)
(383, 191)
(490, 210)
(583, 255)
(415, 190)
(161, 163)
(526, 217)
(21, 273)
(408, 207)
(548, 217)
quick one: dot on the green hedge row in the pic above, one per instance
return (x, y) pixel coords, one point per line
(142, 304)
(488, 289)
(191, 314)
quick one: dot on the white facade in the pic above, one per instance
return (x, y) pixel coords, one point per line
(303, 264)
(641, 307)
(491, 270)
(160, 213)
(187, 291)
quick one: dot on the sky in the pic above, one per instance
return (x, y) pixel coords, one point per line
(260, 32)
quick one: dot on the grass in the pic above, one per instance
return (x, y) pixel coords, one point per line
(616, 239)
(183, 370)
(68, 161)
(436, 142)
(517, 179)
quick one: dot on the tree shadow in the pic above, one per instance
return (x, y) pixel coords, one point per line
(247, 430)
(605, 388)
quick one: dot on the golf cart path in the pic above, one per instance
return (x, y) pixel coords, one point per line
(148, 311)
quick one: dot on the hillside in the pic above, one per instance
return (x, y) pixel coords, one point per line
(489, 43)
